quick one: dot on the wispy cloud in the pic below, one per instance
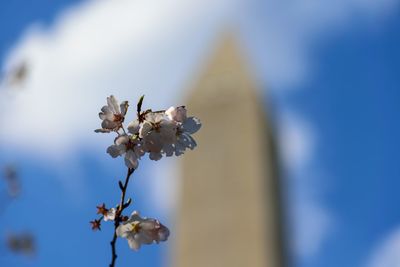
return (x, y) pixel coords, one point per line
(297, 141)
(133, 47)
(83, 57)
(311, 222)
(386, 254)
(314, 225)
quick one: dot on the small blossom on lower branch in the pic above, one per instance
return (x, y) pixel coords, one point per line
(110, 215)
(101, 209)
(138, 231)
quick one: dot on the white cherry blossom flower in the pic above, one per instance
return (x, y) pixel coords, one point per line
(139, 231)
(156, 131)
(113, 115)
(110, 215)
(131, 147)
(185, 128)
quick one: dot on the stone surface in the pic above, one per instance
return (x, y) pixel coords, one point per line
(228, 214)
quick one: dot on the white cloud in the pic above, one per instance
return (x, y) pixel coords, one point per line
(311, 222)
(313, 226)
(284, 32)
(297, 141)
(386, 254)
(126, 48)
(130, 48)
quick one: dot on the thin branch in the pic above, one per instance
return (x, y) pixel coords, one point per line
(122, 205)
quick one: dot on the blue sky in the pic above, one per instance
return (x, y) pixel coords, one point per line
(17, 15)
(335, 77)
(354, 103)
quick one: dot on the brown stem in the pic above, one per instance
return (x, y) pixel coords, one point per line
(122, 205)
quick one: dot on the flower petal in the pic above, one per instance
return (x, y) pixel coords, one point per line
(133, 127)
(110, 216)
(135, 216)
(149, 224)
(107, 113)
(176, 114)
(187, 140)
(116, 150)
(145, 237)
(122, 140)
(113, 104)
(170, 112)
(191, 125)
(107, 124)
(124, 107)
(145, 129)
(155, 117)
(153, 142)
(139, 150)
(123, 230)
(133, 244)
(168, 149)
(168, 132)
(131, 159)
(155, 156)
(163, 233)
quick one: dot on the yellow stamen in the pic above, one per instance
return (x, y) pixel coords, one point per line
(135, 227)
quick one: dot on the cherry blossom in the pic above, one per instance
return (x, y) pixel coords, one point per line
(112, 115)
(185, 128)
(139, 231)
(128, 145)
(110, 215)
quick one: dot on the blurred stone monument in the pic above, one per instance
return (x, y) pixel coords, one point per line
(229, 213)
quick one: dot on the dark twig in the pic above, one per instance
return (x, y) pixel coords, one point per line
(122, 205)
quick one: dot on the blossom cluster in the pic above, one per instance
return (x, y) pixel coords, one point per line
(158, 133)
